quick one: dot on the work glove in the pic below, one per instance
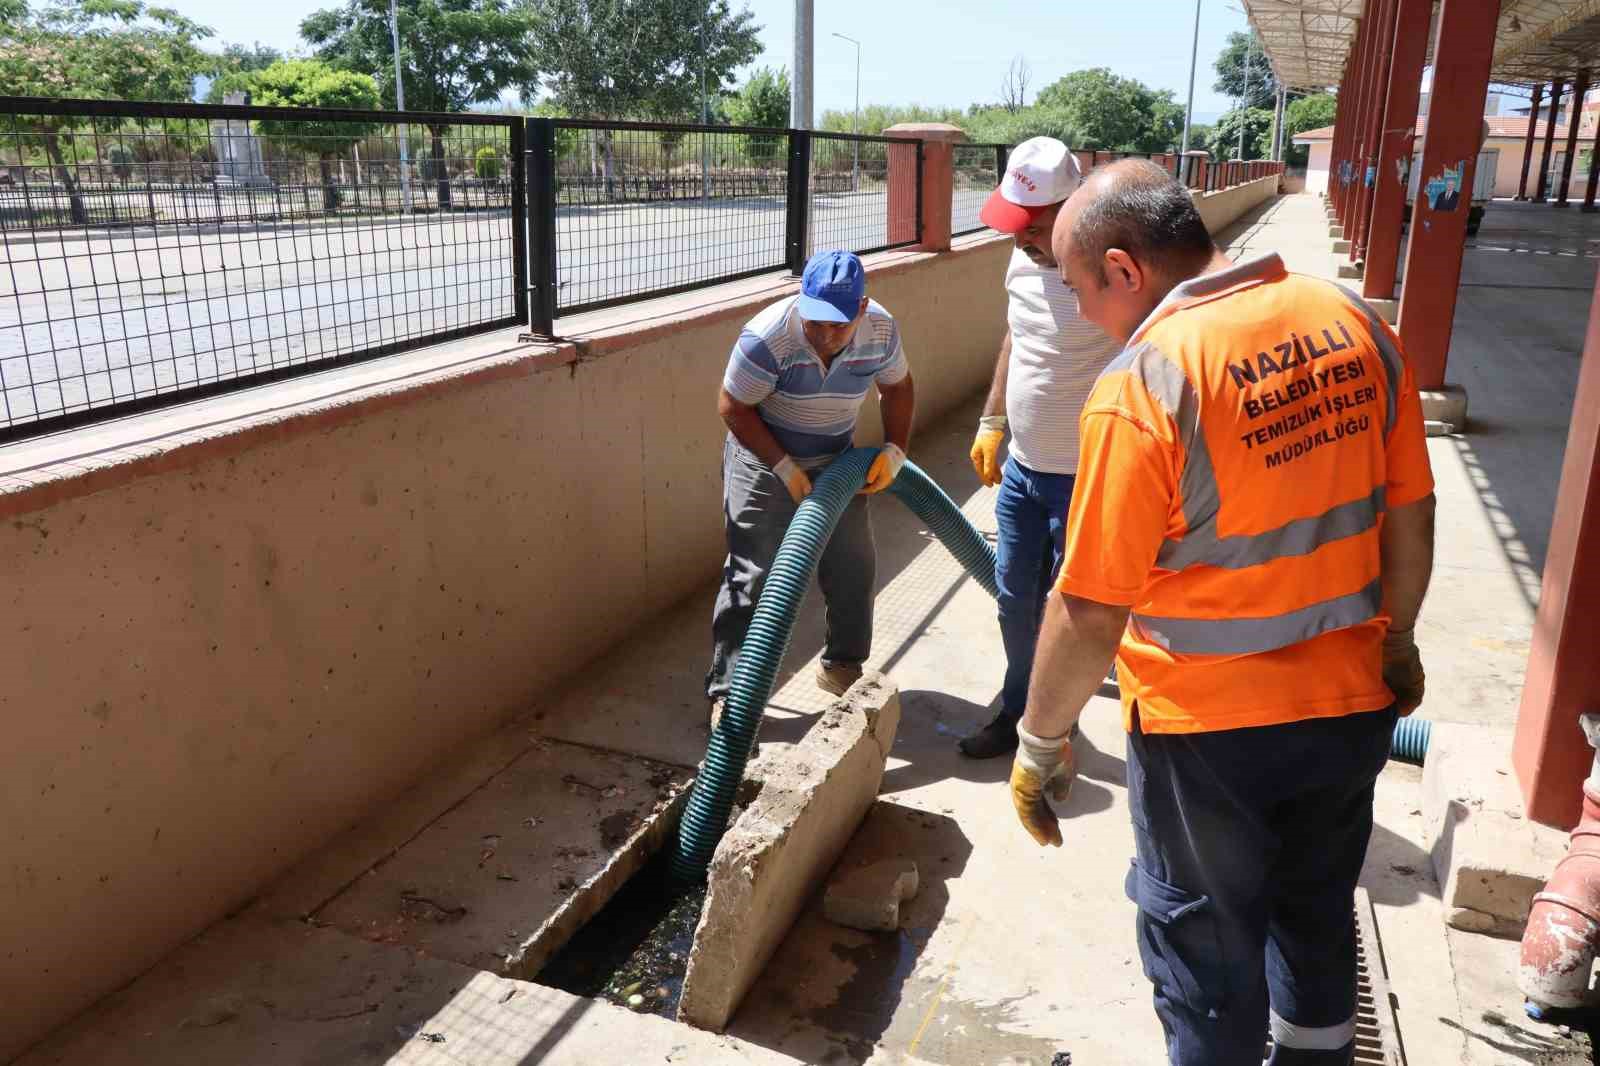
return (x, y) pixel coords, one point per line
(986, 448)
(1402, 669)
(885, 468)
(1042, 767)
(797, 481)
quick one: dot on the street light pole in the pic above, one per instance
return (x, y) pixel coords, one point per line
(400, 105)
(1188, 111)
(705, 116)
(855, 122)
(1244, 97)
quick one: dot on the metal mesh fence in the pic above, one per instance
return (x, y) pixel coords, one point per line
(977, 170)
(644, 209)
(154, 248)
(863, 192)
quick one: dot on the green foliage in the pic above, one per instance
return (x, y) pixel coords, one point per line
(454, 53)
(1306, 113)
(1224, 136)
(1113, 112)
(763, 100)
(312, 83)
(238, 59)
(1230, 68)
(639, 58)
(875, 118)
(116, 49)
(120, 156)
(998, 126)
(486, 163)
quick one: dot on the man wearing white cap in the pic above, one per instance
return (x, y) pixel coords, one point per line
(1047, 365)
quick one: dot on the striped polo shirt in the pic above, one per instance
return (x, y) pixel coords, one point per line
(811, 410)
(1056, 355)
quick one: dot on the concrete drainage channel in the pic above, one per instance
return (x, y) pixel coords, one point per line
(694, 955)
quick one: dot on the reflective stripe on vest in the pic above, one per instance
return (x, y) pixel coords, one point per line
(1248, 636)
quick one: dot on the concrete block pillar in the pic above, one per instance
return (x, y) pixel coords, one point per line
(1543, 185)
(1549, 752)
(1372, 123)
(1409, 44)
(938, 183)
(1449, 156)
(1527, 148)
(1579, 88)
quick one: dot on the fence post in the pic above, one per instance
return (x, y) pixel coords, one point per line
(798, 198)
(519, 218)
(1000, 153)
(540, 179)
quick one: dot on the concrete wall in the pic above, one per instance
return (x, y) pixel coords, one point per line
(1317, 166)
(220, 652)
(1221, 209)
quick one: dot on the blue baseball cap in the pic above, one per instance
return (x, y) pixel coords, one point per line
(831, 287)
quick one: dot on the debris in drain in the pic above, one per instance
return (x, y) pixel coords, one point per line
(1062, 1058)
(432, 1038)
(637, 947)
(616, 828)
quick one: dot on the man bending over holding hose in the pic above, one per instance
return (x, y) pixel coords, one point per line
(790, 399)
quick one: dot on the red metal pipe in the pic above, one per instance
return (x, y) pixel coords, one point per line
(1559, 944)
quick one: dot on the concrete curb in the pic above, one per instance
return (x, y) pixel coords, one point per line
(782, 847)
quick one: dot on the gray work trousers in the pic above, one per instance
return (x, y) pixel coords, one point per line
(756, 509)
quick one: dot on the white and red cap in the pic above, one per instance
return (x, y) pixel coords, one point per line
(1041, 173)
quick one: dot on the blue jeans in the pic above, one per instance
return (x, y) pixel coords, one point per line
(1248, 846)
(1031, 510)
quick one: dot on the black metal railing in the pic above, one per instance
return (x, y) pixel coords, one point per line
(865, 192)
(155, 251)
(976, 170)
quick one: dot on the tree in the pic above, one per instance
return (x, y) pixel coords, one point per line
(1306, 113)
(117, 49)
(875, 118)
(624, 59)
(1113, 112)
(995, 125)
(1230, 67)
(311, 83)
(486, 161)
(763, 100)
(453, 54)
(240, 59)
(1014, 89)
(1257, 123)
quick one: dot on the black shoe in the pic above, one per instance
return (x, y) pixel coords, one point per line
(999, 737)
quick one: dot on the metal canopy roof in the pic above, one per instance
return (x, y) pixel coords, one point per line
(1306, 41)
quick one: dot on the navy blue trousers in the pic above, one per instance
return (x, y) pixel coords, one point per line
(1249, 844)
(1030, 511)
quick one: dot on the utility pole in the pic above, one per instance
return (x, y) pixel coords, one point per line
(1188, 111)
(855, 122)
(400, 105)
(1277, 125)
(705, 116)
(800, 104)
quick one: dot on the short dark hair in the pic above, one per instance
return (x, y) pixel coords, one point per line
(1144, 211)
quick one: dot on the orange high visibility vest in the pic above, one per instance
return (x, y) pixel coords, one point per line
(1236, 463)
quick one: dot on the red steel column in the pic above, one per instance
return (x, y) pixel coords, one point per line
(1579, 87)
(1343, 120)
(1563, 679)
(1410, 48)
(1543, 184)
(1594, 172)
(1451, 140)
(1527, 149)
(1372, 128)
(1357, 82)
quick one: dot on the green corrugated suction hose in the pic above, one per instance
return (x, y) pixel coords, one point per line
(706, 816)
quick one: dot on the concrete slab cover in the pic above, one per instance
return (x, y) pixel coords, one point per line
(500, 881)
(1489, 860)
(869, 897)
(781, 848)
(256, 993)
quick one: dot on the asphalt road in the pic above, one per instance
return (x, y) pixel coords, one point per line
(89, 318)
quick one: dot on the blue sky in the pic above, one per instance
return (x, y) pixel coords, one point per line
(934, 52)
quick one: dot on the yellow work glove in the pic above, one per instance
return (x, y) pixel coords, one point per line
(885, 468)
(1042, 767)
(1402, 669)
(797, 481)
(986, 448)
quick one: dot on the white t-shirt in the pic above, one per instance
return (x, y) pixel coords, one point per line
(1056, 355)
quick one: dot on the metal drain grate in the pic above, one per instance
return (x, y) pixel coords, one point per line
(1377, 1035)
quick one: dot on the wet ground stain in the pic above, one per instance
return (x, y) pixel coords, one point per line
(635, 951)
